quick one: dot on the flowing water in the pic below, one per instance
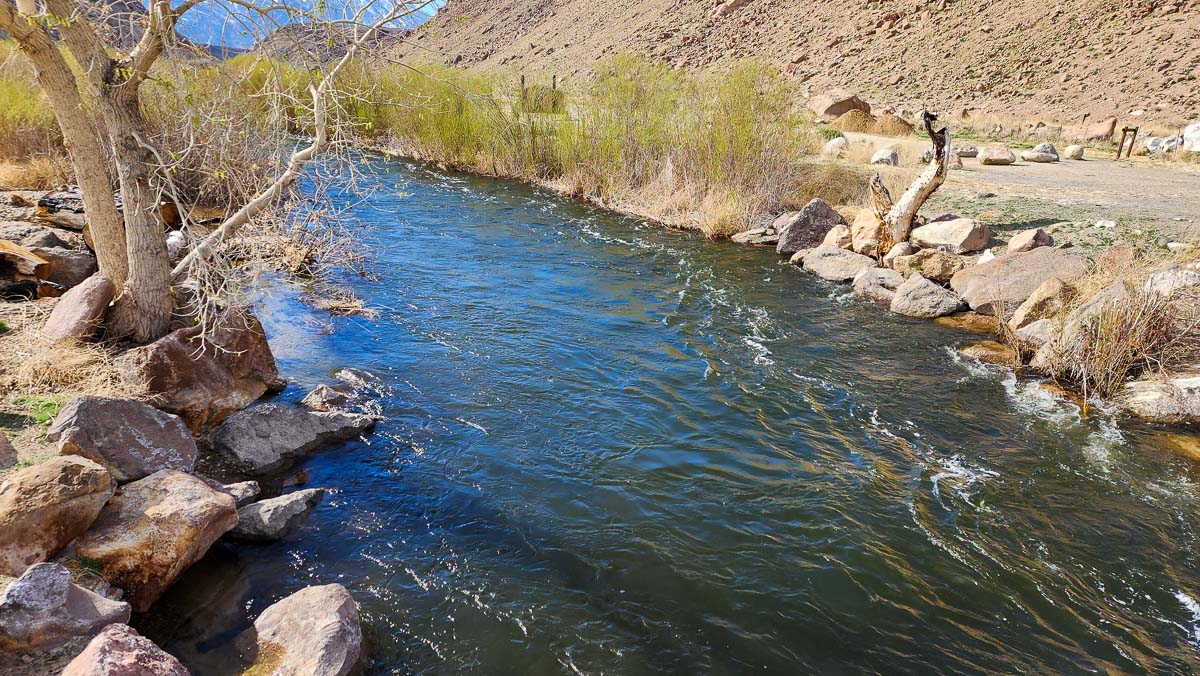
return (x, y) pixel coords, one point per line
(614, 448)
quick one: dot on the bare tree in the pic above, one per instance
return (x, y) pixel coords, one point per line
(897, 217)
(99, 107)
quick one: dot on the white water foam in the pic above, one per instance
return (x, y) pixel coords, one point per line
(1193, 607)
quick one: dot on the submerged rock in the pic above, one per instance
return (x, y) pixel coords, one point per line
(153, 530)
(131, 439)
(834, 264)
(276, 518)
(315, 631)
(45, 506)
(121, 651)
(205, 383)
(269, 437)
(43, 609)
(325, 398)
(990, 352)
(919, 297)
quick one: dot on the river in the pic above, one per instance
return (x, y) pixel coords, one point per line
(615, 448)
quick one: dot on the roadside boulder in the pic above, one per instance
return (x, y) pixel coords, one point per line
(837, 102)
(276, 518)
(1047, 148)
(80, 311)
(808, 227)
(1073, 152)
(314, 631)
(43, 609)
(966, 150)
(1191, 137)
(45, 506)
(243, 492)
(996, 154)
(839, 236)
(120, 651)
(959, 236)
(1170, 399)
(1038, 158)
(1028, 240)
(877, 284)
(887, 156)
(919, 297)
(1047, 300)
(1007, 281)
(270, 437)
(131, 439)
(866, 233)
(153, 529)
(836, 265)
(205, 382)
(933, 264)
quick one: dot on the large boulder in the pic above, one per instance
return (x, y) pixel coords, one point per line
(808, 227)
(276, 518)
(887, 156)
(996, 154)
(919, 297)
(81, 310)
(67, 267)
(45, 506)
(930, 264)
(866, 233)
(153, 529)
(1036, 334)
(131, 439)
(1007, 281)
(1047, 300)
(957, 236)
(877, 284)
(1171, 399)
(206, 380)
(270, 437)
(120, 651)
(834, 264)
(1028, 240)
(836, 102)
(315, 631)
(43, 609)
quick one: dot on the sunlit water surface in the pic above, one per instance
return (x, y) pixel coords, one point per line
(613, 448)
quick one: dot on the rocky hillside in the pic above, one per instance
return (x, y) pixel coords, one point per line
(1033, 59)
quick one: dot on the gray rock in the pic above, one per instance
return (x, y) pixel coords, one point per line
(1174, 399)
(276, 518)
(45, 506)
(325, 398)
(80, 312)
(244, 492)
(1104, 301)
(1037, 333)
(996, 154)
(1007, 281)
(1046, 148)
(1038, 158)
(919, 297)
(68, 267)
(836, 265)
(1047, 300)
(877, 284)
(130, 439)
(887, 156)
(966, 150)
(314, 631)
(960, 236)
(897, 250)
(1169, 280)
(269, 437)
(121, 651)
(43, 609)
(29, 235)
(807, 228)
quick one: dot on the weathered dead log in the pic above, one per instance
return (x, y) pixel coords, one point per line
(897, 217)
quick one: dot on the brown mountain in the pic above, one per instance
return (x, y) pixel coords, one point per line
(1029, 58)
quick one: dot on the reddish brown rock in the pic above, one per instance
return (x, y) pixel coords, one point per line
(121, 651)
(1029, 240)
(155, 528)
(81, 310)
(45, 506)
(206, 381)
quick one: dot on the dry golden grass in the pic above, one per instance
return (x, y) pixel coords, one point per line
(31, 366)
(37, 173)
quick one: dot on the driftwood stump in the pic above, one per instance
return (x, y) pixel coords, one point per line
(897, 217)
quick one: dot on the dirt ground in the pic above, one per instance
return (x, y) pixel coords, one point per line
(1145, 200)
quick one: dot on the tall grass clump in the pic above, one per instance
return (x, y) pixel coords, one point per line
(27, 125)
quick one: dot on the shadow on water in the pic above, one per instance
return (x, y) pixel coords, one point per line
(612, 448)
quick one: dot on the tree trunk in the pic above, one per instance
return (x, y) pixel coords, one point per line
(899, 216)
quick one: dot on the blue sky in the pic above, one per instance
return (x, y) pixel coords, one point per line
(222, 23)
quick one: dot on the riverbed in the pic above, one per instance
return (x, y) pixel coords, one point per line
(609, 447)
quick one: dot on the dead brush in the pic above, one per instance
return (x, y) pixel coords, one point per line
(42, 172)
